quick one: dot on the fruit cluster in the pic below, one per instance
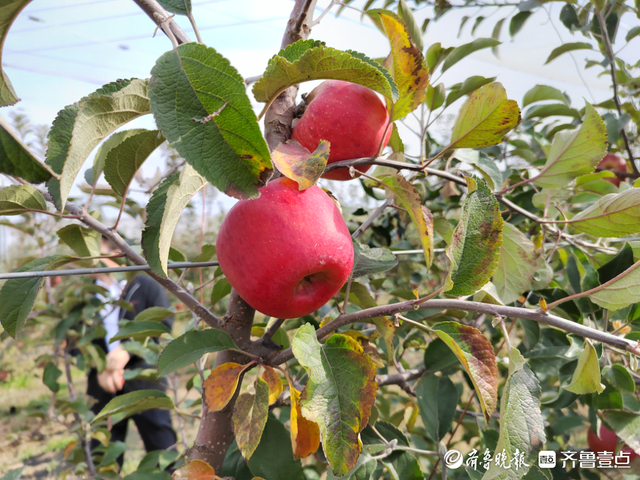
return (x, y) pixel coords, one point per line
(289, 252)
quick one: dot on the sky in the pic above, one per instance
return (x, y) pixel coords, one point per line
(56, 52)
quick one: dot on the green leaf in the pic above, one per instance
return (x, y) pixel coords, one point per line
(128, 404)
(410, 70)
(567, 47)
(199, 102)
(521, 422)
(112, 141)
(79, 128)
(362, 470)
(540, 93)
(437, 401)
(406, 14)
(434, 97)
(15, 157)
(485, 118)
(586, 377)
(83, 241)
(50, 376)
(221, 289)
(123, 160)
(9, 10)
(156, 238)
(250, 417)
(614, 215)
(517, 21)
(307, 60)
(517, 264)
(18, 295)
(17, 199)
(141, 329)
(633, 33)
(299, 164)
(273, 458)
(13, 474)
(339, 393)
(367, 260)
(153, 314)
(619, 377)
(436, 54)
(485, 165)
(551, 110)
(179, 7)
(495, 34)
(475, 245)
(462, 51)
(575, 152)
(208, 252)
(155, 213)
(189, 347)
(471, 84)
(618, 292)
(569, 17)
(626, 425)
(408, 197)
(476, 355)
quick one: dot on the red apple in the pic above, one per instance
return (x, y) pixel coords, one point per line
(351, 117)
(288, 252)
(615, 164)
(607, 441)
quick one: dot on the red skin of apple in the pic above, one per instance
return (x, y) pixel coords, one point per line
(351, 117)
(614, 163)
(288, 252)
(607, 441)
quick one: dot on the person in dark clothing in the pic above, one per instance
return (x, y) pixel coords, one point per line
(154, 425)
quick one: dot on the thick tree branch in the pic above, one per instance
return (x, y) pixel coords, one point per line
(185, 297)
(467, 306)
(155, 12)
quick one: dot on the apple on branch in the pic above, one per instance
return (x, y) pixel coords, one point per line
(613, 163)
(288, 252)
(607, 441)
(351, 117)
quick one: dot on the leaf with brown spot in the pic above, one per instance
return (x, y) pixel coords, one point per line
(476, 240)
(408, 197)
(408, 66)
(359, 295)
(250, 417)
(300, 165)
(273, 381)
(195, 470)
(305, 434)
(476, 355)
(485, 118)
(221, 384)
(339, 393)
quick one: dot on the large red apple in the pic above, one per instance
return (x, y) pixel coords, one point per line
(351, 117)
(288, 252)
(615, 164)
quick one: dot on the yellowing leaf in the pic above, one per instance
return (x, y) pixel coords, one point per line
(485, 118)
(195, 470)
(408, 197)
(614, 215)
(339, 393)
(221, 384)
(409, 69)
(250, 417)
(574, 152)
(305, 434)
(586, 377)
(476, 355)
(273, 381)
(517, 264)
(300, 165)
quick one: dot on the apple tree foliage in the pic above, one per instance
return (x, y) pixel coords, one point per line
(509, 318)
